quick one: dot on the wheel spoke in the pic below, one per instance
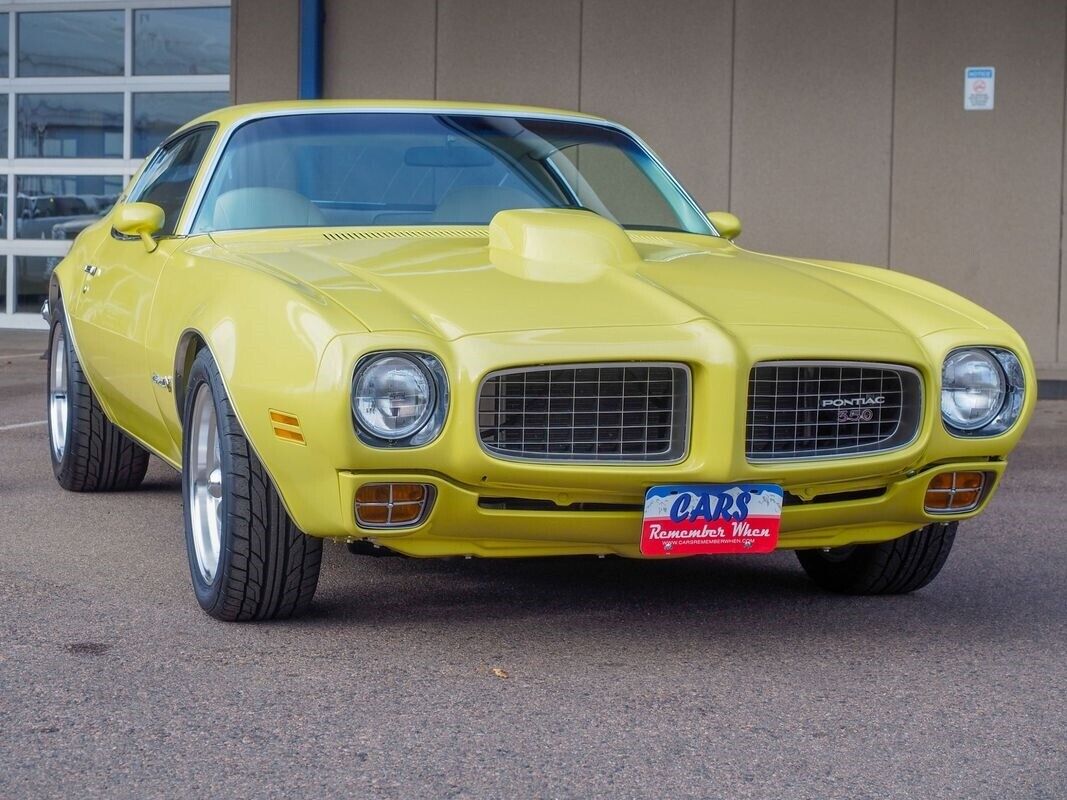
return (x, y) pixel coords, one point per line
(205, 484)
(57, 394)
(214, 483)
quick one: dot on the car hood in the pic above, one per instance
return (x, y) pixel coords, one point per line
(456, 282)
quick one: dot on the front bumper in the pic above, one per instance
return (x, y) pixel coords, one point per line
(467, 520)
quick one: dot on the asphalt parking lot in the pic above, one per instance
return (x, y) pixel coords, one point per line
(730, 678)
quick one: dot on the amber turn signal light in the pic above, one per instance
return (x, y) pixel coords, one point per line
(286, 426)
(392, 505)
(954, 492)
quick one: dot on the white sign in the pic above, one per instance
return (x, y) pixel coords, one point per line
(978, 83)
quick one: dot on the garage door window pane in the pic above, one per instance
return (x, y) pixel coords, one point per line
(3, 217)
(69, 125)
(3, 126)
(61, 206)
(4, 19)
(70, 43)
(157, 115)
(31, 282)
(181, 41)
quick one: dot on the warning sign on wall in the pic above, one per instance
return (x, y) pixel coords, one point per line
(978, 85)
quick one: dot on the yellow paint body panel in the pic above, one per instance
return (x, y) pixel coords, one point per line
(288, 313)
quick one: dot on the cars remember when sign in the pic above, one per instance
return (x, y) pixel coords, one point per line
(711, 518)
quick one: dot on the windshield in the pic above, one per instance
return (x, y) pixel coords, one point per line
(365, 169)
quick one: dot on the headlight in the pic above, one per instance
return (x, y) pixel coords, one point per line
(399, 398)
(981, 391)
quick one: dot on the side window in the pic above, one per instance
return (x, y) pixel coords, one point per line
(166, 180)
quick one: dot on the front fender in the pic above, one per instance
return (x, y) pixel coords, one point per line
(265, 331)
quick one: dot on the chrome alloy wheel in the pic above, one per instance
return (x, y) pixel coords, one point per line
(204, 486)
(58, 404)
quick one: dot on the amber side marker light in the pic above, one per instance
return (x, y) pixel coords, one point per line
(392, 505)
(286, 427)
(953, 492)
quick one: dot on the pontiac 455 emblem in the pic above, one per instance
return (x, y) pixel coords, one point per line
(855, 409)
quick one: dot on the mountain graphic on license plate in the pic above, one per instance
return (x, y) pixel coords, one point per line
(698, 519)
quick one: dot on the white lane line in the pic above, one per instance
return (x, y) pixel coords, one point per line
(20, 355)
(23, 425)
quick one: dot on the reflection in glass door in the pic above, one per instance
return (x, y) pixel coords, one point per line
(85, 95)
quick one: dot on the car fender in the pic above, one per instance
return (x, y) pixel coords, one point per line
(267, 334)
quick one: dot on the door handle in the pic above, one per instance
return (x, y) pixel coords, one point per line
(91, 271)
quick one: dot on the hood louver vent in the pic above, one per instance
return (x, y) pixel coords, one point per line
(408, 233)
(651, 238)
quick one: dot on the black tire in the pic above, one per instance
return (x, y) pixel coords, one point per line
(267, 568)
(96, 456)
(898, 566)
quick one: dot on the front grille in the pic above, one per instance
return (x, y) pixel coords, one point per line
(637, 412)
(809, 409)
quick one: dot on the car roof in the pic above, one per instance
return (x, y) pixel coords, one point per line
(234, 115)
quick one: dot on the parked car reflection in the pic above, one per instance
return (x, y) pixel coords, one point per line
(60, 216)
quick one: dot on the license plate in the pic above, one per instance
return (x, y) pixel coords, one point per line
(696, 519)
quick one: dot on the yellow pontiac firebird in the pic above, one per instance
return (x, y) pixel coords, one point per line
(441, 329)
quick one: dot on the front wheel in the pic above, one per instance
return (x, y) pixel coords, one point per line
(898, 566)
(247, 559)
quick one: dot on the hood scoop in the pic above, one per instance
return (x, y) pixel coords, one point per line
(556, 245)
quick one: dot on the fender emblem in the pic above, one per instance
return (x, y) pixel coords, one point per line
(162, 381)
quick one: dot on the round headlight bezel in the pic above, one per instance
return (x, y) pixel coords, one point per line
(429, 423)
(1010, 374)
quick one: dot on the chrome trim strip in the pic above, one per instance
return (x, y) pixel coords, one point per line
(831, 363)
(586, 365)
(191, 209)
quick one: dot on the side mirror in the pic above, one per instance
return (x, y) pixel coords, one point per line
(727, 224)
(139, 219)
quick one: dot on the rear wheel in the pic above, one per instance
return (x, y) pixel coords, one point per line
(898, 566)
(247, 559)
(89, 454)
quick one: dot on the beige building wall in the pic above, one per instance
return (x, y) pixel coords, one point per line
(264, 41)
(509, 48)
(977, 195)
(813, 126)
(834, 128)
(381, 49)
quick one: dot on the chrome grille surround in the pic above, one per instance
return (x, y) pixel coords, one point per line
(799, 410)
(609, 412)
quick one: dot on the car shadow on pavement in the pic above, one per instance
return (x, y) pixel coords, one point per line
(685, 597)
(391, 591)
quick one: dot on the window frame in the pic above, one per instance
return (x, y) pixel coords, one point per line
(141, 184)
